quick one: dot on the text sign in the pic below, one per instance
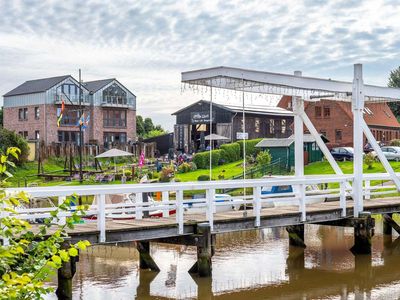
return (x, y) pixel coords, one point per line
(242, 135)
(201, 117)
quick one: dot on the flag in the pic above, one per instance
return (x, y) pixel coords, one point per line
(81, 120)
(86, 123)
(61, 112)
(141, 159)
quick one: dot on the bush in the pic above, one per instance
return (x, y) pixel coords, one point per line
(263, 158)
(369, 160)
(203, 178)
(395, 143)
(193, 166)
(9, 139)
(202, 159)
(166, 174)
(230, 152)
(250, 147)
(184, 168)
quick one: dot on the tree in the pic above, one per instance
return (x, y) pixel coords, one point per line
(10, 139)
(140, 126)
(394, 81)
(29, 258)
(154, 133)
(148, 125)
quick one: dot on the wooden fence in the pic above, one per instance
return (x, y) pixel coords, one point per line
(67, 149)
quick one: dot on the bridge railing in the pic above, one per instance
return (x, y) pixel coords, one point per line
(177, 204)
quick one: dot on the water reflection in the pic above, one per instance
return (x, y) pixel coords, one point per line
(252, 264)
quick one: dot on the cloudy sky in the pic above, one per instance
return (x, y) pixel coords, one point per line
(147, 43)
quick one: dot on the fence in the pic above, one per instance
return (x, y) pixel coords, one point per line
(68, 149)
(173, 197)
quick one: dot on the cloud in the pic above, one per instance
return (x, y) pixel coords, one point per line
(146, 44)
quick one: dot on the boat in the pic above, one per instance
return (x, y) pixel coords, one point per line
(200, 208)
(288, 189)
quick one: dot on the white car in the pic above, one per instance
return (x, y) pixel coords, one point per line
(391, 152)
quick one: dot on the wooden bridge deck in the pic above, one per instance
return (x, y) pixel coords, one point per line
(154, 228)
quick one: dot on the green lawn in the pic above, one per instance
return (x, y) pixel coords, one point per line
(228, 170)
(347, 167)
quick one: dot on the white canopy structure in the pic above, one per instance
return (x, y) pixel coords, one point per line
(114, 153)
(308, 89)
(216, 137)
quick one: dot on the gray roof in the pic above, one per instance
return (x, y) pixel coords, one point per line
(36, 86)
(95, 85)
(249, 109)
(286, 142)
(275, 143)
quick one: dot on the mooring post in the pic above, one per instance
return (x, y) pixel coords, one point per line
(296, 235)
(145, 259)
(65, 275)
(204, 251)
(363, 233)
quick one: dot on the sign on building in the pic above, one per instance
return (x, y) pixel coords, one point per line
(201, 117)
(242, 135)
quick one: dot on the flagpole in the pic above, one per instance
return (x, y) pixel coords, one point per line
(80, 129)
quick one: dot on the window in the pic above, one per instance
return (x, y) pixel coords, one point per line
(318, 111)
(114, 95)
(271, 126)
(283, 126)
(37, 135)
(23, 114)
(24, 134)
(114, 118)
(71, 90)
(70, 117)
(114, 138)
(327, 112)
(338, 135)
(257, 125)
(37, 113)
(68, 136)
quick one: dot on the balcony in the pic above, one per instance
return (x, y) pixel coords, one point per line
(117, 101)
(71, 100)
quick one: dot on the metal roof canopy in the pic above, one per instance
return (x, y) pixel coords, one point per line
(310, 89)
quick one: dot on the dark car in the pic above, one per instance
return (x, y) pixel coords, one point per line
(343, 153)
(368, 148)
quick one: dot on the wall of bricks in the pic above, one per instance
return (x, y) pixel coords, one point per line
(47, 126)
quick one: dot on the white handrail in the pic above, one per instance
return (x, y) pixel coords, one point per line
(209, 205)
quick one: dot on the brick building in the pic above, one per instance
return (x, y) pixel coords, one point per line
(32, 110)
(334, 119)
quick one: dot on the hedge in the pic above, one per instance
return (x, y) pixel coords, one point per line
(202, 159)
(230, 152)
(11, 139)
(250, 147)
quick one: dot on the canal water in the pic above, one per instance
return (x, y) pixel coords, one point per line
(255, 264)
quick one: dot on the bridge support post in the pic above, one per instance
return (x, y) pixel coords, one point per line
(387, 228)
(363, 233)
(205, 250)
(145, 259)
(65, 275)
(296, 235)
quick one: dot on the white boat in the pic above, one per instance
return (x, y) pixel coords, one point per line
(224, 202)
(284, 200)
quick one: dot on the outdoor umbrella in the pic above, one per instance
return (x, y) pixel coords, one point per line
(215, 137)
(114, 153)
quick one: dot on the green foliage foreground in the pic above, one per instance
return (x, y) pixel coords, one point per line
(31, 256)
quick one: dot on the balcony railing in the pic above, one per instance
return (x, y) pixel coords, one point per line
(116, 101)
(71, 99)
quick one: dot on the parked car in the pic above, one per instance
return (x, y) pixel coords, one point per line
(391, 152)
(343, 153)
